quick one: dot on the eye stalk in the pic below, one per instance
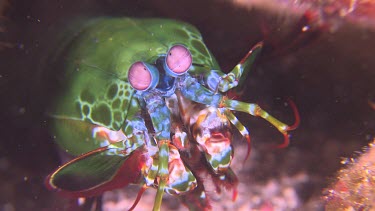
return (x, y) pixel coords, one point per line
(143, 76)
(178, 60)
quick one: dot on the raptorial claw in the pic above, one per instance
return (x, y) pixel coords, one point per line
(239, 73)
(216, 80)
(296, 115)
(256, 110)
(292, 127)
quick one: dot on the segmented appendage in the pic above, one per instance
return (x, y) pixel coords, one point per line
(256, 110)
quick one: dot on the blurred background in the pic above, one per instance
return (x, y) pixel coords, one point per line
(316, 52)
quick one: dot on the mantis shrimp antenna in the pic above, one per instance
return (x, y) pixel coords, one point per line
(256, 110)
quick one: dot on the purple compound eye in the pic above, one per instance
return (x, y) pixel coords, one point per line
(143, 76)
(178, 60)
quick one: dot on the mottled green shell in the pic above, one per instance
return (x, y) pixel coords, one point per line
(96, 60)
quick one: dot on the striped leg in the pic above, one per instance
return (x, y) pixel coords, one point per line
(163, 172)
(256, 110)
(198, 93)
(242, 129)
